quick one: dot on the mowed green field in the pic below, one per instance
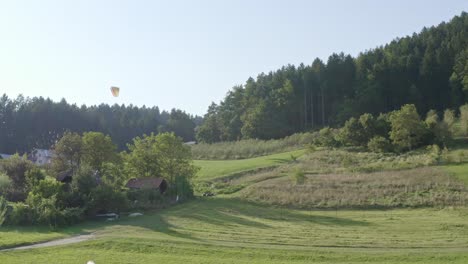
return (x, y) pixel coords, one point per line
(211, 169)
(227, 230)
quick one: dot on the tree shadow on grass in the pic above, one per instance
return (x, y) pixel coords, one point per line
(259, 211)
(232, 212)
(281, 161)
(229, 213)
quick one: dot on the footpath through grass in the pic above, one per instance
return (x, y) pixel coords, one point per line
(211, 169)
(232, 231)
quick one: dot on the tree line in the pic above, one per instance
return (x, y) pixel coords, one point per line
(96, 179)
(428, 69)
(27, 123)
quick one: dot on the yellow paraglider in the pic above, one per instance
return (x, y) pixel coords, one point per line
(115, 91)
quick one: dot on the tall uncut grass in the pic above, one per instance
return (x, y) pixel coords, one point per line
(421, 187)
(250, 148)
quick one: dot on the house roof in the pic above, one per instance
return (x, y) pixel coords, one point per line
(63, 175)
(140, 183)
(5, 156)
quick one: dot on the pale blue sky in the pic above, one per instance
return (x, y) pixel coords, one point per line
(185, 54)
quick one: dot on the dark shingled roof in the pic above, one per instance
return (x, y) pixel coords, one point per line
(64, 175)
(142, 183)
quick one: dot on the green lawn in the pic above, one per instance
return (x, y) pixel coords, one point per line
(459, 170)
(221, 230)
(211, 169)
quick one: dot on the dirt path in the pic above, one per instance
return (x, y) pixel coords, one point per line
(58, 242)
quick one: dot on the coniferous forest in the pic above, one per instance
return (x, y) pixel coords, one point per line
(428, 69)
(28, 123)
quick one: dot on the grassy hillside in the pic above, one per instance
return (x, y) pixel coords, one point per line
(254, 222)
(249, 148)
(426, 187)
(232, 231)
(211, 169)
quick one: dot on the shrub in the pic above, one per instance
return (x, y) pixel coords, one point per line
(16, 167)
(298, 177)
(105, 199)
(464, 119)
(20, 215)
(449, 120)
(408, 131)
(3, 210)
(34, 176)
(70, 216)
(352, 133)
(5, 183)
(379, 144)
(326, 138)
(84, 180)
(293, 158)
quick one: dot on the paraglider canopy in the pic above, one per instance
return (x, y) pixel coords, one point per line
(115, 91)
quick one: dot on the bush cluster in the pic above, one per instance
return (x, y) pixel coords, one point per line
(398, 131)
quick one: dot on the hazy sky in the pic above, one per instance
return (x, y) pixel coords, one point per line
(185, 54)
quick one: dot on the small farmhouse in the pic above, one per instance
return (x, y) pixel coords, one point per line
(4, 156)
(41, 156)
(148, 183)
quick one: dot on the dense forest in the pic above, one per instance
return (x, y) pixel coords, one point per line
(429, 70)
(27, 123)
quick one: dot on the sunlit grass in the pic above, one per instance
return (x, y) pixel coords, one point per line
(211, 169)
(232, 231)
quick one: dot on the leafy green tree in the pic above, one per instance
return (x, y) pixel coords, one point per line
(97, 149)
(439, 130)
(161, 155)
(16, 167)
(34, 176)
(211, 130)
(464, 119)
(407, 129)
(143, 158)
(181, 124)
(176, 162)
(379, 144)
(68, 153)
(84, 180)
(5, 183)
(352, 133)
(113, 175)
(326, 137)
(449, 119)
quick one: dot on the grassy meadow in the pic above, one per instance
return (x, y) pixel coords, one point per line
(250, 148)
(212, 169)
(353, 207)
(229, 230)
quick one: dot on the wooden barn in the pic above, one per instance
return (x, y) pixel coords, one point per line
(147, 183)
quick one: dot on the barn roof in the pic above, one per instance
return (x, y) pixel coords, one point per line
(140, 183)
(64, 174)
